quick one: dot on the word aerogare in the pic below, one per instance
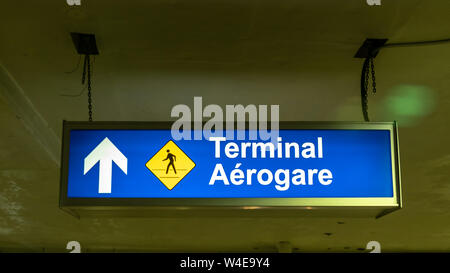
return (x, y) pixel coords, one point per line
(283, 177)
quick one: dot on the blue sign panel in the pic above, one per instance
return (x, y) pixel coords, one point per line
(301, 163)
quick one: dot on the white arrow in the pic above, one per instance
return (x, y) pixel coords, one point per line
(106, 153)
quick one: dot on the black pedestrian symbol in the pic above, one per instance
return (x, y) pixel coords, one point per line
(172, 158)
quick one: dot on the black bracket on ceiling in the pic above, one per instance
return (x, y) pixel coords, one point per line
(84, 43)
(370, 48)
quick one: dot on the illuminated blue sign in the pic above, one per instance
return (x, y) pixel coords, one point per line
(328, 163)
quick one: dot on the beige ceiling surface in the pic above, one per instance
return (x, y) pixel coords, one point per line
(156, 54)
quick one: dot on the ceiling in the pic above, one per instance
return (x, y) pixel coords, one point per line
(156, 54)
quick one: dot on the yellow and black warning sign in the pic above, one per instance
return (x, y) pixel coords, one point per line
(170, 164)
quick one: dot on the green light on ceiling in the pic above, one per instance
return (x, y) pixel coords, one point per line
(408, 103)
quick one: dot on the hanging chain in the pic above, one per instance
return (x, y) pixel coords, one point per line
(364, 94)
(89, 87)
(87, 68)
(83, 78)
(366, 76)
(372, 68)
(368, 68)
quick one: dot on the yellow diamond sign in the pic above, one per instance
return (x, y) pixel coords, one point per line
(170, 165)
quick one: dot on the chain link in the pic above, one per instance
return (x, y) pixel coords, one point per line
(372, 68)
(368, 68)
(366, 76)
(83, 77)
(364, 94)
(89, 87)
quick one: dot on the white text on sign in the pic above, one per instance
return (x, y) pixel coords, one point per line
(283, 177)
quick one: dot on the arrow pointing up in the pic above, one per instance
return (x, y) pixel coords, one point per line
(105, 152)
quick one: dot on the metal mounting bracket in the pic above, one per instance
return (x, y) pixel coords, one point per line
(370, 48)
(84, 43)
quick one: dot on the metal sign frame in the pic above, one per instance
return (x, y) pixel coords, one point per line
(386, 205)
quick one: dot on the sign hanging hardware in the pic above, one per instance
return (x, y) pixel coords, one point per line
(368, 51)
(368, 67)
(87, 66)
(85, 44)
